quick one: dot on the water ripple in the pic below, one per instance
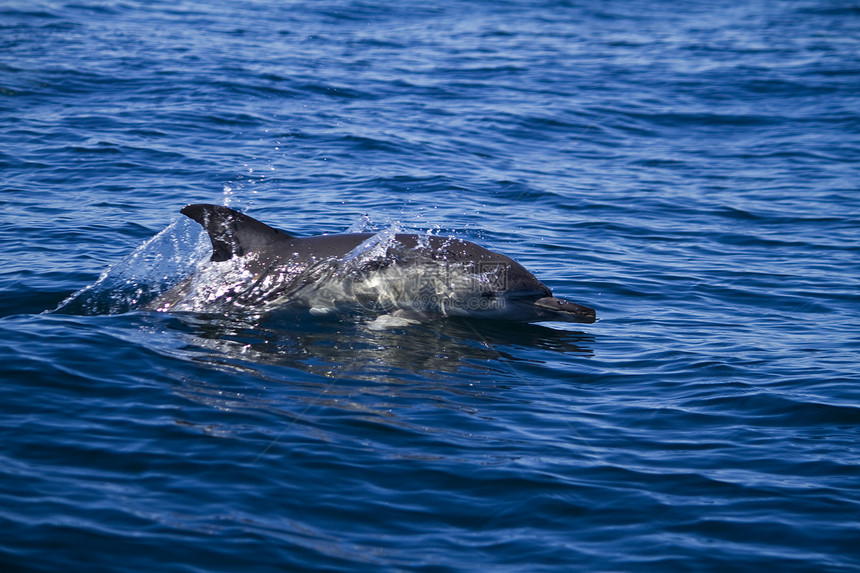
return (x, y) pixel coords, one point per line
(689, 169)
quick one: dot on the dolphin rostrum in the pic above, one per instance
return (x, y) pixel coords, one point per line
(256, 268)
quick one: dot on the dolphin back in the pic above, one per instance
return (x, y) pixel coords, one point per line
(233, 234)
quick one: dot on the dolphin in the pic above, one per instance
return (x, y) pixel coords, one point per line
(257, 268)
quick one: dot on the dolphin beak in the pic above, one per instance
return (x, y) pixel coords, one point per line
(570, 310)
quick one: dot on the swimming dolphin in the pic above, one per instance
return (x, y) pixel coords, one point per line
(257, 268)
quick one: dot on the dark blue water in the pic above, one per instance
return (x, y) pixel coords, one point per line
(690, 169)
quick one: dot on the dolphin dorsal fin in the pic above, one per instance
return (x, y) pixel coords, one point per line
(232, 233)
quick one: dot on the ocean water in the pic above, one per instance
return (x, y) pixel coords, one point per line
(689, 169)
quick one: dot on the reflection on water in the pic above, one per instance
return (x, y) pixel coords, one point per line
(319, 368)
(350, 346)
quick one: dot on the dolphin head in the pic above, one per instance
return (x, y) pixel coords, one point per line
(561, 309)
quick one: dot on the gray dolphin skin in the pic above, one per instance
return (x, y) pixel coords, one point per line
(257, 268)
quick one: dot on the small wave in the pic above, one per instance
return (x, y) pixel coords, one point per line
(155, 266)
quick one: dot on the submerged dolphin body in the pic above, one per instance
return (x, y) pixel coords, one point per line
(257, 268)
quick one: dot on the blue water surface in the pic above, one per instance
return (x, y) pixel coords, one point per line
(690, 169)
